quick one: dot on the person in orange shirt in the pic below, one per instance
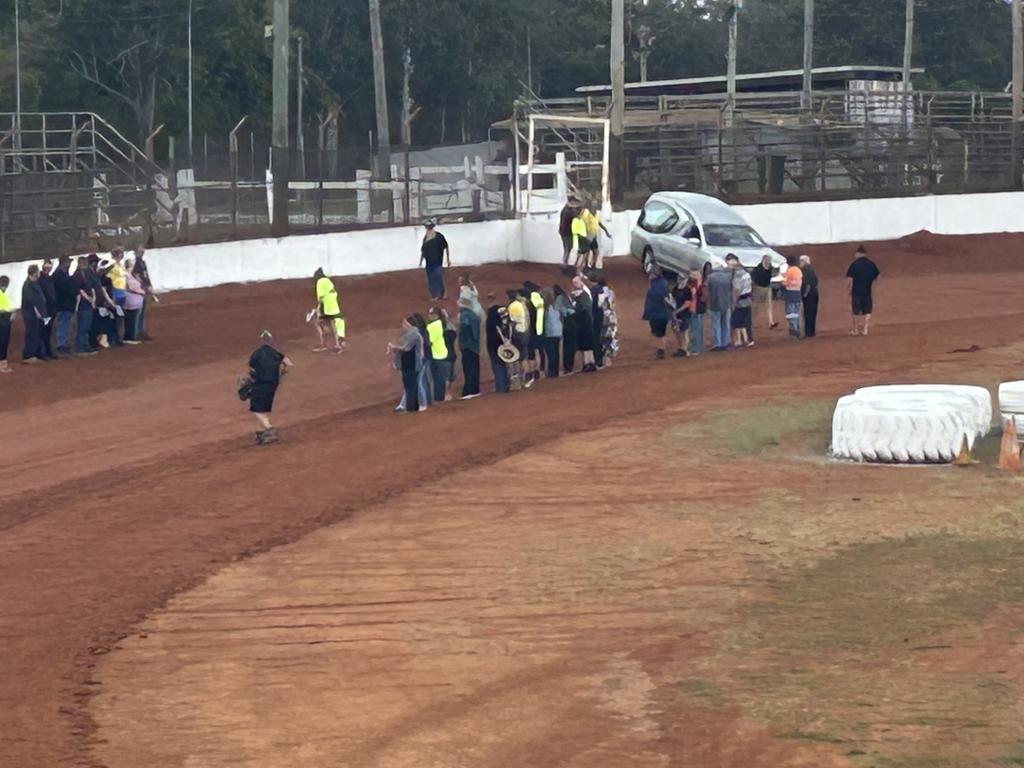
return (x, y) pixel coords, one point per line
(792, 283)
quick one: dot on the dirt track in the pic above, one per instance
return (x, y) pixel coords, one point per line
(130, 481)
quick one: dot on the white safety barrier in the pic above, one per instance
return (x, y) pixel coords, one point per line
(536, 239)
(910, 424)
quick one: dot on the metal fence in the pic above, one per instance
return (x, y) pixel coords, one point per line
(71, 183)
(771, 147)
(69, 180)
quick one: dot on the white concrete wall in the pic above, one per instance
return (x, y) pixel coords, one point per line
(385, 250)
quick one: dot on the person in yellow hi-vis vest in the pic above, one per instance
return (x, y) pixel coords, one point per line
(328, 313)
(580, 240)
(534, 361)
(592, 219)
(440, 367)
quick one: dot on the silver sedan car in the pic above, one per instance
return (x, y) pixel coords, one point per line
(682, 231)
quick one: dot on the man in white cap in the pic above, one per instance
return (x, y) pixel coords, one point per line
(266, 366)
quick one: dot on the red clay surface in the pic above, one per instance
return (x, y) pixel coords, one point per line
(129, 479)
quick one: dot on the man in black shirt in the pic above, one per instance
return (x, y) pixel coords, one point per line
(66, 301)
(810, 292)
(266, 366)
(33, 312)
(862, 275)
(569, 212)
(49, 290)
(435, 255)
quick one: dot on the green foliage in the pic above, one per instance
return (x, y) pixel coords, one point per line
(470, 59)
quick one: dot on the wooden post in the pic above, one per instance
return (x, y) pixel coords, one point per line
(1018, 92)
(908, 53)
(808, 54)
(618, 111)
(380, 90)
(279, 155)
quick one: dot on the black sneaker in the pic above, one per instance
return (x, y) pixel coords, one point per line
(659, 355)
(680, 353)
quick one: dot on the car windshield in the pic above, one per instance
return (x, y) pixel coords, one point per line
(732, 236)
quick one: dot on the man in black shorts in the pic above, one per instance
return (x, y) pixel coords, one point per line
(861, 275)
(266, 366)
(658, 310)
(569, 212)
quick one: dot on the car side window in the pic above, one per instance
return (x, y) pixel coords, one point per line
(658, 218)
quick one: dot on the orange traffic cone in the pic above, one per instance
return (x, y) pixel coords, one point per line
(1009, 449)
(963, 459)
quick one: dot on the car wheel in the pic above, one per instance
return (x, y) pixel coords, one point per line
(648, 261)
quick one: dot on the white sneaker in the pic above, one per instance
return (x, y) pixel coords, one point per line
(470, 397)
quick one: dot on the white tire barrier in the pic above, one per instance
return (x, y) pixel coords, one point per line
(978, 401)
(922, 424)
(1011, 405)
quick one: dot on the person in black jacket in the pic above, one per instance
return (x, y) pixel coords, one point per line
(67, 301)
(497, 331)
(761, 275)
(33, 313)
(810, 292)
(46, 284)
(569, 212)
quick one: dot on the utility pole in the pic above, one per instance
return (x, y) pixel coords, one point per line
(618, 111)
(279, 162)
(908, 55)
(1018, 90)
(190, 84)
(380, 89)
(808, 54)
(300, 139)
(730, 77)
(17, 76)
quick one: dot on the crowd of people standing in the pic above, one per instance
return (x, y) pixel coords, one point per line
(533, 333)
(78, 309)
(727, 294)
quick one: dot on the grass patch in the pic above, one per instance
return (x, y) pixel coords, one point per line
(748, 431)
(826, 738)
(894, 592)
(707, 691)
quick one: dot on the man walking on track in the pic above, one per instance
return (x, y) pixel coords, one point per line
(266, 366)
(810, 291)
(328, 312)
(862, 275)
(435, 255)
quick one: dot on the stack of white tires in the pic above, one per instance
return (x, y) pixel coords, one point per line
(910, 424)
(1011, 405)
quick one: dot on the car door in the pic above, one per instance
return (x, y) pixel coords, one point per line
(658, 222)
(687, 241)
